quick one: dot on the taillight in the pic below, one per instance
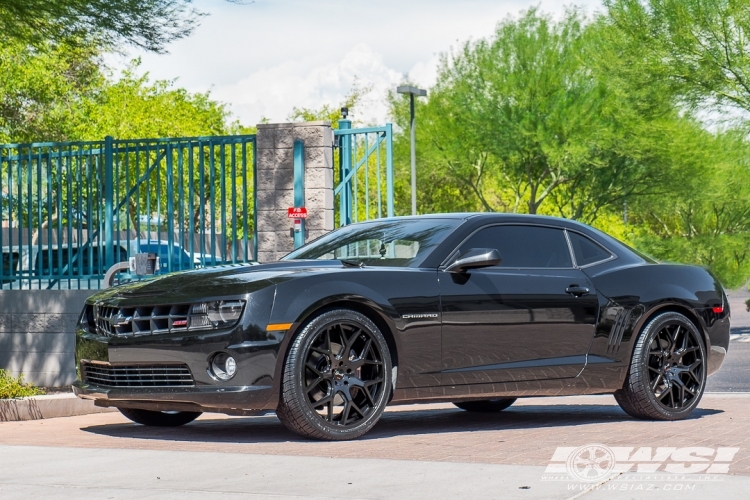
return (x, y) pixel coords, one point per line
(718, 309)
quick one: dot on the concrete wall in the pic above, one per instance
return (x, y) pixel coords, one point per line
(37, 334)
(276, 184)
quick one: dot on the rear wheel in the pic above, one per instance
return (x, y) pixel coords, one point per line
(337, 377)
(487, 406)
(159, 418)
(667, 374)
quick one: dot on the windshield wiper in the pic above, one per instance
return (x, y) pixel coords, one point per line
(352, 263)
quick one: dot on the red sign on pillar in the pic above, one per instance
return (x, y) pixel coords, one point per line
(297, 213)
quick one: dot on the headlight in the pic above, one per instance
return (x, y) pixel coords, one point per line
(86, 319)
(218, 314)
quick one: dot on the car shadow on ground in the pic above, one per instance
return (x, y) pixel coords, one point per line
(268, 429)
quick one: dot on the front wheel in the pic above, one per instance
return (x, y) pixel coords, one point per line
(159, 418)
(667, 373)
(337, 377)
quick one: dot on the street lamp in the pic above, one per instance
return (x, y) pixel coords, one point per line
(412, 91)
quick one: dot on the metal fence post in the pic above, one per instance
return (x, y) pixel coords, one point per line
(389, 168)
(109, 248)
(255, 199)
(345, 159)
(170, 210)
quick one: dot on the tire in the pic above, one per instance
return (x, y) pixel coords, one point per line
(667, 374)
(159, 418)
(487, 406)
(337, 377)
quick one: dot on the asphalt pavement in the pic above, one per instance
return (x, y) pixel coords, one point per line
(734, 375)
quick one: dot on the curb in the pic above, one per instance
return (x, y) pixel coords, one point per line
(40, 407)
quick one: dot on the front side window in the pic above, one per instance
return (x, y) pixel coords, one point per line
(523, 246)
(401, 243)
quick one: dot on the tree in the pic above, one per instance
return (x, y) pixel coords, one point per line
(133, 106)
(42, 90)
(705, 219)
(527, 122)
(147, 24)
(700, 49)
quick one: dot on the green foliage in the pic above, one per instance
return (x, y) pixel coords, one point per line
(41, 90)
(527, 121)
(699, 49)
(13, 387)
(694, 53)
(134, 107)
(59, 93)
(148, 24)
(704, 219)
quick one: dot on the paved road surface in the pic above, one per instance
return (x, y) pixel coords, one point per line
(734, 375)
(428, 451)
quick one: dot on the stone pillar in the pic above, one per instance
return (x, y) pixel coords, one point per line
(276, 184)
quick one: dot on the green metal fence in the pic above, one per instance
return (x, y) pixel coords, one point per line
(365, 173)
(71, 210)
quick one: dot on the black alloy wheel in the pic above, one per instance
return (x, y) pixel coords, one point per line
(668, 371)
(337, 377)
(486, 406)
(159, 418)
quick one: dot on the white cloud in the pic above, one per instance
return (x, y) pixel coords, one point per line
(267, 57)
(272, 92)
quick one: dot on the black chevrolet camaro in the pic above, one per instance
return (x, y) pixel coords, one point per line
(474, 309)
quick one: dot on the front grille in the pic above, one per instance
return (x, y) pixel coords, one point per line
(145, 320)
(107, 375)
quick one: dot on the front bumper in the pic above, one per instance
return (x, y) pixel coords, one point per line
(232, 400)
(250, 390)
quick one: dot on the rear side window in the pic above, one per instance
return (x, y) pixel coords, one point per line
(586, 251)
(523, 246)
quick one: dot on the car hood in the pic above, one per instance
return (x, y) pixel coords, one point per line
(216, 281)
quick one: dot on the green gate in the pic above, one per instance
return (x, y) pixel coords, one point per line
(71, 210)
(365, 173)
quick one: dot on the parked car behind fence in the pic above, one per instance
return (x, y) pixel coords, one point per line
(78, 263)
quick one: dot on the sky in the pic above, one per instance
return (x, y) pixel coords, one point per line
(265, 57)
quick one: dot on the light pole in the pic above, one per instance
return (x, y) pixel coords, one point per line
(412, 91)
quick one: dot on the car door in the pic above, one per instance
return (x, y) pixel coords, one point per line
(530, 318)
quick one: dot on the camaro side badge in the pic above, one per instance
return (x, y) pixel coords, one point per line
(419, 316)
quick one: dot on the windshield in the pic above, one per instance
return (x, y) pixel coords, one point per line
(402, 243)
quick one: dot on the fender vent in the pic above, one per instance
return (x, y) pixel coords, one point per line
(622, 320)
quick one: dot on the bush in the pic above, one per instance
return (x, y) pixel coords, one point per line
(13, 387)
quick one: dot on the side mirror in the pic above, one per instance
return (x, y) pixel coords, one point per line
(474, 259)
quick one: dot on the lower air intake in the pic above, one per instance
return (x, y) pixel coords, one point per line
(106, 375)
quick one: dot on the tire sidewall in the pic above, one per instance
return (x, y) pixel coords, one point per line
(651, 330)
(302, 343)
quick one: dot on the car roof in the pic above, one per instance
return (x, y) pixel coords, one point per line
(491, 216)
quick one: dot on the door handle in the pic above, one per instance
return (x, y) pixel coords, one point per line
(577, 291)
